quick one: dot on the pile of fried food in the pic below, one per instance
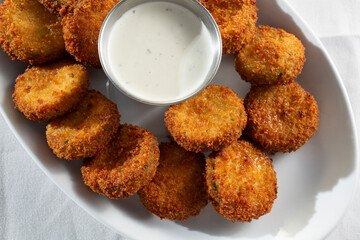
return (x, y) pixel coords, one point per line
(174, 180)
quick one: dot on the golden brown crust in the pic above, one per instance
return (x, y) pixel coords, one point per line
(55, 6)
(85, 131)
(30, 33)
(241, 182)
(125, 165)
(47, 91)
(81, 25)
(178, 189)
(209, 121)
(236, 20)
(281, 118)
(273, 56)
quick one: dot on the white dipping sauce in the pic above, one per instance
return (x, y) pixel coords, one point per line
(160, 51)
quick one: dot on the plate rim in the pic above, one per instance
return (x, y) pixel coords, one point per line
(349, 107)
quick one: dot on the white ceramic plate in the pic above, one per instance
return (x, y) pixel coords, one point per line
(315, 183)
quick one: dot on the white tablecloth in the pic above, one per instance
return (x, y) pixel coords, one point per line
(32, 207)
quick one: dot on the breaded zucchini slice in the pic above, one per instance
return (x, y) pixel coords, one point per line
(281, 118)
(125, 165)
(241, 182)
(29, 32)
(81, 25)
(50, 90)
(273, 56)
(209, 121)
(85, 131)
(236, 20)
(178, 189)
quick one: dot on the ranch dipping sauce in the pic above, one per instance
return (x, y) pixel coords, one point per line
(160, 52)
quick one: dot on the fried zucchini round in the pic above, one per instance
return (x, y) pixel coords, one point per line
(47, 91)
(209, 121)
(81, 26)
(178, 190)
(241, 182)
(126, 164)
(273, 56)
(236, 20)
(29, 32)
(85, 131)
(281, 118)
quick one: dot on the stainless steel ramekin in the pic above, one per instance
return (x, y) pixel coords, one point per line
(192, 5)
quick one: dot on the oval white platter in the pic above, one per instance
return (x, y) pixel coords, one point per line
(315, 183)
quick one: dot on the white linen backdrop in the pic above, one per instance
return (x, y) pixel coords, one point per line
(32, 207)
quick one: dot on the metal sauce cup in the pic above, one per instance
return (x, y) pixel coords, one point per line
(196, 8)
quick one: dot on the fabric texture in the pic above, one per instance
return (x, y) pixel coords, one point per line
(32, 207)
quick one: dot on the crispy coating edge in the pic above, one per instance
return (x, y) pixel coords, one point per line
(178, 190)
(251, 200)
(292, 106)
(55, 6)
(179, 133)
(80, 147)
(29, 49)
(66, 103)
(140, 149)
(268, 48)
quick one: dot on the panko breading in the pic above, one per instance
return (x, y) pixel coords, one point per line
(29, 32)
(281, 118)
(236, 20)
(126, 164)
(81, 25)
(55, 6)
(241, 182)
(178, 190)
(273, 56)
(85, 131)
(47, 91)
(209, 121)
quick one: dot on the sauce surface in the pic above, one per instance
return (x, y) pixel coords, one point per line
(160, 51)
